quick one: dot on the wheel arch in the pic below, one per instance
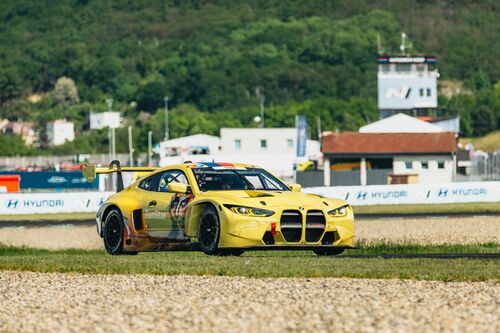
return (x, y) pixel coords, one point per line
(194, 216)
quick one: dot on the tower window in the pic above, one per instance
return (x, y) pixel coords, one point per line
(263, 143)
(428, 91)
(237, 144)
(421, 92)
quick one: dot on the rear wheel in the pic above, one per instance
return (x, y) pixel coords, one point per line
(328, 252)
(113, 233)
(209, 231)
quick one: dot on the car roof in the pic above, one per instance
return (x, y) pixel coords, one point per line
(216, 165)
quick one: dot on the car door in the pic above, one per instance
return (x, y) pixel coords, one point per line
(163, 211)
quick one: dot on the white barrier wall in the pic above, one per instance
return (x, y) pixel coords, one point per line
(40, 203)
(412, 193)
(36, 203)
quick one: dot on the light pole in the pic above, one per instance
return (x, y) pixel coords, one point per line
(130, 147)
(111, 134)
(150, 147)
(262, 99)
(166, 119)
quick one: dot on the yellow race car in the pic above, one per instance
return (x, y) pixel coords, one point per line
(220, 209)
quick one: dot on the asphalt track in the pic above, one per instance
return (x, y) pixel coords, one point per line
(49, 223)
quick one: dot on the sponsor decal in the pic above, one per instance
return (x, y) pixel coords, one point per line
(402, 93)
(56, 180)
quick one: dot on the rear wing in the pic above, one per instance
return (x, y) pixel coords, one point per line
(90, 172)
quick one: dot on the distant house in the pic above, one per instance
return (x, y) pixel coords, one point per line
(196, 148)
(59, 131)
(352, 158)
(22, 128)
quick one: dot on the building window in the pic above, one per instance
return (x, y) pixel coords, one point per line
(289, 143)
(386, 68)
(428, 91)
(425, 165)
(441, 165)
(403, 68)
(237, 144)
(408, 165)
(263, 143)
(421, 92)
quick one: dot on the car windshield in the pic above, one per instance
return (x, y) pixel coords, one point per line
(209, 179)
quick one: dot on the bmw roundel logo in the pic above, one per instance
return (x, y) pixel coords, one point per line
(301, 208)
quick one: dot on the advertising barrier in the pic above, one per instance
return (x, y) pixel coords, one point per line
(41, 203)
(74, 202)
(52, 180)
(412, 193)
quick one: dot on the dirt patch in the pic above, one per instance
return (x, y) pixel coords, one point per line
(57, 237)
(429, 231)
(117, 303)
(457, 230)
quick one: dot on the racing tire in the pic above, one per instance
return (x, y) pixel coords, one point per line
(209, 231)
(113, 233)
(328, 252)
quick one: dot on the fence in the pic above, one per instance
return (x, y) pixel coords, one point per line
(484, 167)
(50, 161)
(343, 178)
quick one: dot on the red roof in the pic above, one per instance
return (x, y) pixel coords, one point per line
(388, 143)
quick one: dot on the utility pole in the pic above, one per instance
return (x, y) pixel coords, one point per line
(261, 98)
(150, 147)
(111, 134)
(130, 147)
(166, 119)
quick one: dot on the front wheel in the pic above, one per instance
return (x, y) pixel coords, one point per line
(113, 233)
(209, 231)
(328, 252)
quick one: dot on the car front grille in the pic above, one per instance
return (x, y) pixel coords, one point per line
(291, 225)
(315, 225)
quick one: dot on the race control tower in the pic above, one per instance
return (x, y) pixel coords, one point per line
(407, 84)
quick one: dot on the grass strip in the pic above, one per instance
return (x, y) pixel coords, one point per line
(263, 264)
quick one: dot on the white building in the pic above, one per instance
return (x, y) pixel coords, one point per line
(400, 123)
(104, 119)
(274, 149)
(195, 148)
(407, 85)
(59, 131)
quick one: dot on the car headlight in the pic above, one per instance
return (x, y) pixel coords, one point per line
(339, 212)
(250, 211)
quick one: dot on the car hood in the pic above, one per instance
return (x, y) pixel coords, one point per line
(257, 198)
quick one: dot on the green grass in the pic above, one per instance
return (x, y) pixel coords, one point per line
(264, 264)
(489, 142)
(475, 208)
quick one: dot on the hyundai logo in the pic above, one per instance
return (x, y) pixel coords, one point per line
(12, 203)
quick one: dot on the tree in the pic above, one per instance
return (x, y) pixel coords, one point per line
(65, 92)
(483, 120)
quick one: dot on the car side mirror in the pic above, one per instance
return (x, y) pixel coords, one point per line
(176, 187)
(295, 187)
